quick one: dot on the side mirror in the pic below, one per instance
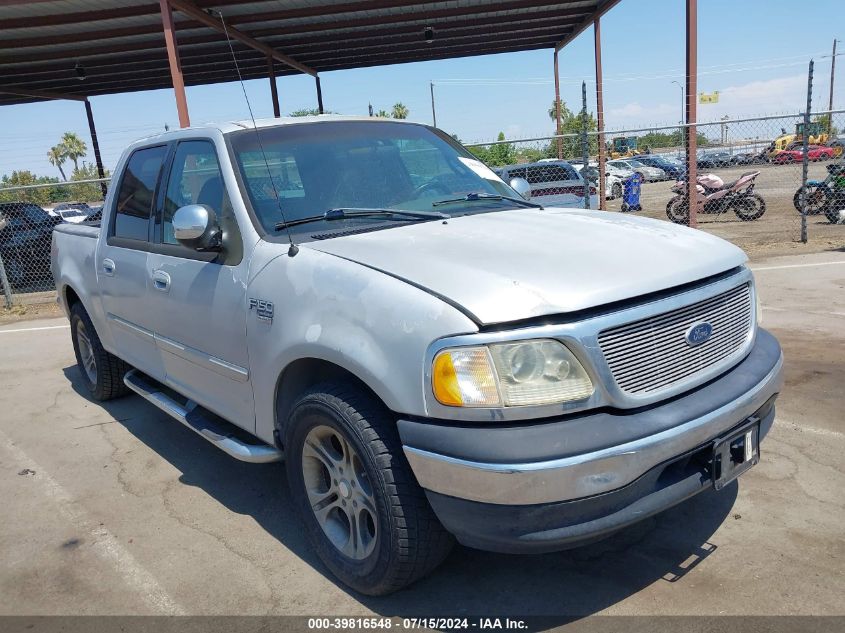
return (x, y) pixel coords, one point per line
(195, 226)
(521, 186)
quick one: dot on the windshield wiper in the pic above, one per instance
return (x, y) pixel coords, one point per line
(362, 212)
(473, 197)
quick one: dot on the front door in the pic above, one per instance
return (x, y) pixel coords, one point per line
(122, 263)
(199, 299)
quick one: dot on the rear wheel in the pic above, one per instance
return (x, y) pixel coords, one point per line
(616, 190)
(811, 199)
(102, 373)
(364, 513)
(751, 207)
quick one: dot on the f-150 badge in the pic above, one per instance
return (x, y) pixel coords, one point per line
(263, 309)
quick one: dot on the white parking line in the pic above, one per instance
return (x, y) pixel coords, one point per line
(105, 544)
(35, 329)
(796, 266)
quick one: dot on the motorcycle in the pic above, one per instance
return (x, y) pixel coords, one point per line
(717, 197)
(823, 196)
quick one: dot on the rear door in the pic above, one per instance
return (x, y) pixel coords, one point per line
(122, 262)
(199, 299)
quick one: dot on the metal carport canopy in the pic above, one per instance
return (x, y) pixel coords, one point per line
(119, 45)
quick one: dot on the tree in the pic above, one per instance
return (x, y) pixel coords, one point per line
(88, 192)
(74, 147)
(400, 111)
(22, 178)
(57, 158)
(306, 112)
(572, 123)
(384, 114)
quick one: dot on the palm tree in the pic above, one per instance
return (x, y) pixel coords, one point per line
(57, 157)
(74, 147)
(400, 111)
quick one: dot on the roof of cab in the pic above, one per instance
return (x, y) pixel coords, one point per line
(228, 127)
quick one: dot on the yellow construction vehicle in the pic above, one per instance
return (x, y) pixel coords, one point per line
(817, 136)
(623, 147)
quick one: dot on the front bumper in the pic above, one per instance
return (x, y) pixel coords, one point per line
(557, 483)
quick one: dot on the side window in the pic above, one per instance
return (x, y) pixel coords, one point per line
(136, 193)
(195, 178)
(546, 173)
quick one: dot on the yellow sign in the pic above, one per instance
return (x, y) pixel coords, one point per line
(713, 97)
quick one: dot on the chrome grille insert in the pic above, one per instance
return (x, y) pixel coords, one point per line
(652, 354)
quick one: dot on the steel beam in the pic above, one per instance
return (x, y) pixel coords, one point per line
(175, 66)
(691, 109)
(600, 115)
(40, 94)
(274, 92)
(319, 95)
(603, 6)
(557, 108)
(200, 16)
(93, 131)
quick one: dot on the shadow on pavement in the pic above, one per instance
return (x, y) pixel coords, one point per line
(560, 586)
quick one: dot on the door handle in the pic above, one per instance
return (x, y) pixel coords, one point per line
(108, 267)
(161, 280)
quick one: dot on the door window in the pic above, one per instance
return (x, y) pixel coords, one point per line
(195, 178)
(137, 192)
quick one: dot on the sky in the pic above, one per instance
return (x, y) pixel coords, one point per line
(749, 50)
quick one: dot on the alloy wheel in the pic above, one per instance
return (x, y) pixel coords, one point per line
(339, 492)
(86, 352)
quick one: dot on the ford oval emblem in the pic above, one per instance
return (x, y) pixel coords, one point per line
(698, 333)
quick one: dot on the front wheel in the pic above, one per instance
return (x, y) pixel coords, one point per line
(677, 210)
(364, 513)
(102, 372)
(750, 207)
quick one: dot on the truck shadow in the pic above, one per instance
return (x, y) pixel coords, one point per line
(559, 587)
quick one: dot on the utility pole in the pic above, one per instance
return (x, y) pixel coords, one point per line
(830, 102)
(433, 113)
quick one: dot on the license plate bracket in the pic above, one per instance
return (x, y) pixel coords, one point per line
(735, 453)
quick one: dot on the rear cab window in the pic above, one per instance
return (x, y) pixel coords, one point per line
(135, 198)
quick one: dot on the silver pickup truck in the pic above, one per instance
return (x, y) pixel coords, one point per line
(433, 356)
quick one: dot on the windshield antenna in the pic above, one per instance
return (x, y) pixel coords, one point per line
(293, 249)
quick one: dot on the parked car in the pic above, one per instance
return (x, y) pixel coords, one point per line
(25, 231)
(554, 182)
(433, 356)
(73, 212)
(614, 185)
(713, 160)
(673, 170)
(814, 153)
(649, 174)
(750, 158)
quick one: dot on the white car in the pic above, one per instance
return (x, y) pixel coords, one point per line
(614, 179)
(73, 212)
(649, 174)
(553, 182)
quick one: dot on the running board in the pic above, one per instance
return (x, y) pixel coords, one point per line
(225, 436)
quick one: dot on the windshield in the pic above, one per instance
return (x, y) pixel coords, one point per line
(635, 163)
(316, 167)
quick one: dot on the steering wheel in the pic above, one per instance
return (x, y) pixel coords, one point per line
(432, 186)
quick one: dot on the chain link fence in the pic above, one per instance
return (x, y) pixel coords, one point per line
(28, 216)
(751, 173)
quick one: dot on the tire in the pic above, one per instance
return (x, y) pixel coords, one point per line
(677, 210)
(102, 373)
(398, 538)
(818, 196)
(616, 191)
(749, 208)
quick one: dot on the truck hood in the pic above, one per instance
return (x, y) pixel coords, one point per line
(512, 265)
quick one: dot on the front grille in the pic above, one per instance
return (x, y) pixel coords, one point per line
(652, 354)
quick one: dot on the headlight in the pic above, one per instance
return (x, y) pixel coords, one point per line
(515, 374)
